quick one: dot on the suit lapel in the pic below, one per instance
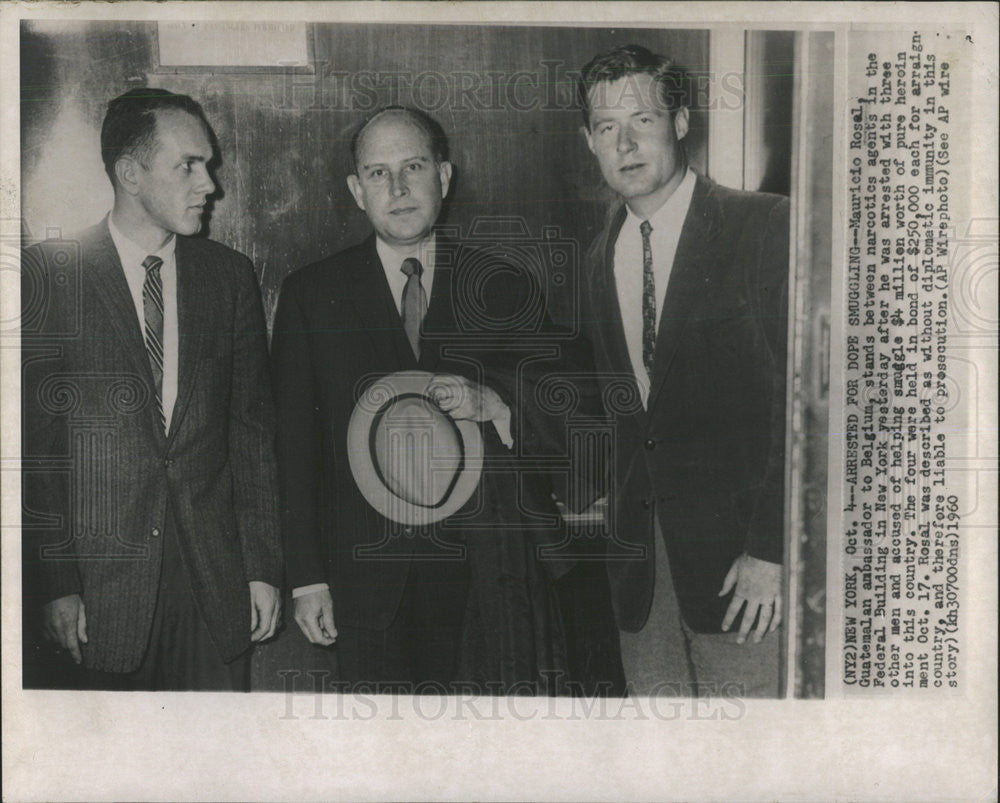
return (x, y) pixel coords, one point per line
(105, 266)
(194, 322)
(691, 277)
(440, 321)
(369, 292)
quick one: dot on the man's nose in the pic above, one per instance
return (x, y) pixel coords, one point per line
(626, 142)
(398, 187)
(205, 185)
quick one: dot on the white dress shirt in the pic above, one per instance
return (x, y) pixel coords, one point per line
(392, 263)
(667, 222)
(132, 256)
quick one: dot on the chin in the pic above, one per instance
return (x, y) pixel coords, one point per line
(627, 189)
(638, 193)
(409, 236)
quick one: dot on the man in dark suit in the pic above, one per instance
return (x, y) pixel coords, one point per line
(687, 286)
(151, 522)
(413, 608)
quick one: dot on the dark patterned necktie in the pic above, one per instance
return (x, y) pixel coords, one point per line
(648, 300)
(152, 308)
(414, 303)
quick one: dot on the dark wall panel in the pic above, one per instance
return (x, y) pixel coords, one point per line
(505, 96)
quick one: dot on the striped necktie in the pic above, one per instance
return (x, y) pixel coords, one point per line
(152, 307)
(648, 300)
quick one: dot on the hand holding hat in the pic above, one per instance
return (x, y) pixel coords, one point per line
(465, 400)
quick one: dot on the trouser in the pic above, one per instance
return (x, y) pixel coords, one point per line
(668, 658)
(595, 666)
(181, 654)
(419, 651)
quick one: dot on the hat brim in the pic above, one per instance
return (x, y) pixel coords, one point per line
(366, 474)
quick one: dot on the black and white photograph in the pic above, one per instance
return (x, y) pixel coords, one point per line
(394, 383)
(399, 461)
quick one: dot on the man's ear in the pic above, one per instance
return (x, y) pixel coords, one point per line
(444, 173)
(585, 130)
(125, 172)
(355, 187)
(682, 122)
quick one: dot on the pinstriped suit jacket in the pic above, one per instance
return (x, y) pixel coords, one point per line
(102, 479)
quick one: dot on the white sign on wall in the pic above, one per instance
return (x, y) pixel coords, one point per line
(233, 44)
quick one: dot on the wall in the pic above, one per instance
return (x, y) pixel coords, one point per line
(504, 95)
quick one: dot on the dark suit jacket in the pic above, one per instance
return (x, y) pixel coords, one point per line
(707, 455)
(337, 330)
(102, 479)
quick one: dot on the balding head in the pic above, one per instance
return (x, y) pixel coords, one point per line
(435, 137)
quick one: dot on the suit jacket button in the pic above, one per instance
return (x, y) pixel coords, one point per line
(155, 532)
(646, 504)
(650, 444)
(168, 462)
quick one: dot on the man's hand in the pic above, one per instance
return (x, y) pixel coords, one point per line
(265, 610)
(758, 586)
(314, 613)
(463, 399)
(64, 623)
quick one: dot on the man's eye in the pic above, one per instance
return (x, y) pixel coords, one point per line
(186, 167)
(377, 173)
(604, 129)
(414, 167)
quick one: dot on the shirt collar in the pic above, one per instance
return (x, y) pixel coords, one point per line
(674, 209)
(392, 259)
(131, 253)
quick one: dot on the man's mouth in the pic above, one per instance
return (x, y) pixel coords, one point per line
(631, 168)
(406, 210)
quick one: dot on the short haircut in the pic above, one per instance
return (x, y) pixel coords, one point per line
(673, 82)
(130, 124)
(436, 137)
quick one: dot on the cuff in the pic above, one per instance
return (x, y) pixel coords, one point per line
(501, 423)
(301, 591)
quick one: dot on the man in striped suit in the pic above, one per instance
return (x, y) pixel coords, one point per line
(152, 547)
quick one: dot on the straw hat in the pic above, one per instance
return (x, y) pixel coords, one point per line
(412, 462)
